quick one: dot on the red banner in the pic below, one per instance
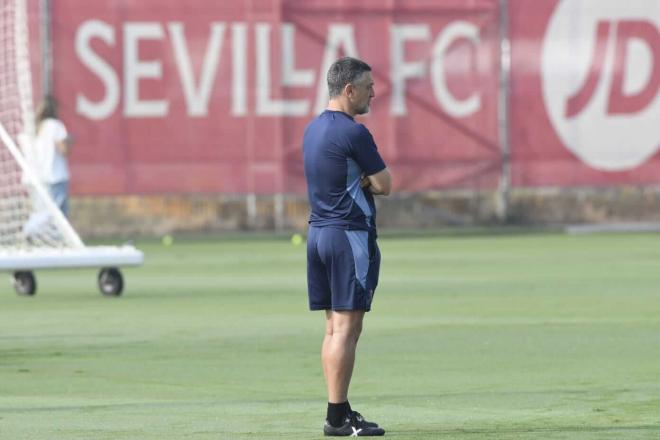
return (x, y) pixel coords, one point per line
(207, 96)
(203, 96)
(584, 101)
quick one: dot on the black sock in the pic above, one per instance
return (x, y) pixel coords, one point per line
(337, 412)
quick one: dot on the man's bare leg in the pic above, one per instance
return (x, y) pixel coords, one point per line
(342, 332)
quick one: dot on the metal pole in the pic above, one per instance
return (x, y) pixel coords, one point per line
(251, 206)
(278, 202)
(46, 48)
(502, 199)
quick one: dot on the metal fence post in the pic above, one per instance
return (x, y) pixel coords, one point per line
(46, 37)
(502, 198)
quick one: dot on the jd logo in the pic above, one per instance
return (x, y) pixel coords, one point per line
(600, 68)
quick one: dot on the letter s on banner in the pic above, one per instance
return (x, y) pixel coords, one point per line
(106, 106)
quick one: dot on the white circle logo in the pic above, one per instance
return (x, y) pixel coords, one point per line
(600, 70)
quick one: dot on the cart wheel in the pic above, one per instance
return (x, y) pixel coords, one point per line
(110, 281)
(24, 283)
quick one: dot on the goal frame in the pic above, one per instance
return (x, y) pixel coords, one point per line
(70, 252)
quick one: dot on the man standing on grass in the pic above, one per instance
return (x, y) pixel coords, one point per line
(343, 171)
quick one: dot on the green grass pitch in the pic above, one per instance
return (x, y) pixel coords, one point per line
(471, 337)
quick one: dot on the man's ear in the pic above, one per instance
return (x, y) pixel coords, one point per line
(348, 89)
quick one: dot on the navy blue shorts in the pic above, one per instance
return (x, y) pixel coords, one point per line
(342, 268)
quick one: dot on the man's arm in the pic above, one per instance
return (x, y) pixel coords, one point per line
(379, 183)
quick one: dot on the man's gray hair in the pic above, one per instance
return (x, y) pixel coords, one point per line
(344, 71)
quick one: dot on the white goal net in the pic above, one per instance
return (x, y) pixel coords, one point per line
(25, 221)
(33, 231)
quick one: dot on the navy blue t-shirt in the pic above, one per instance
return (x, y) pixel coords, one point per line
(337, 152)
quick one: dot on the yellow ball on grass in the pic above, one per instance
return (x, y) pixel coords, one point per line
(296, 239)
(167, 240)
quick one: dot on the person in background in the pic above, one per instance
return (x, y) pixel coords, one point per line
(51, 148)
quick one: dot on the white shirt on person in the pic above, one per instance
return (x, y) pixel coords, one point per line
(51, 164)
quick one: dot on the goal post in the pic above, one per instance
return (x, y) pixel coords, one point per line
(34, 234)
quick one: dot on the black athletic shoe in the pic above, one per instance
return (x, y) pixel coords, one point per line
(366, 423)
(353, 427)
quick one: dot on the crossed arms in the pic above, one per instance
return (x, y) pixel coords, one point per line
(379, 183)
